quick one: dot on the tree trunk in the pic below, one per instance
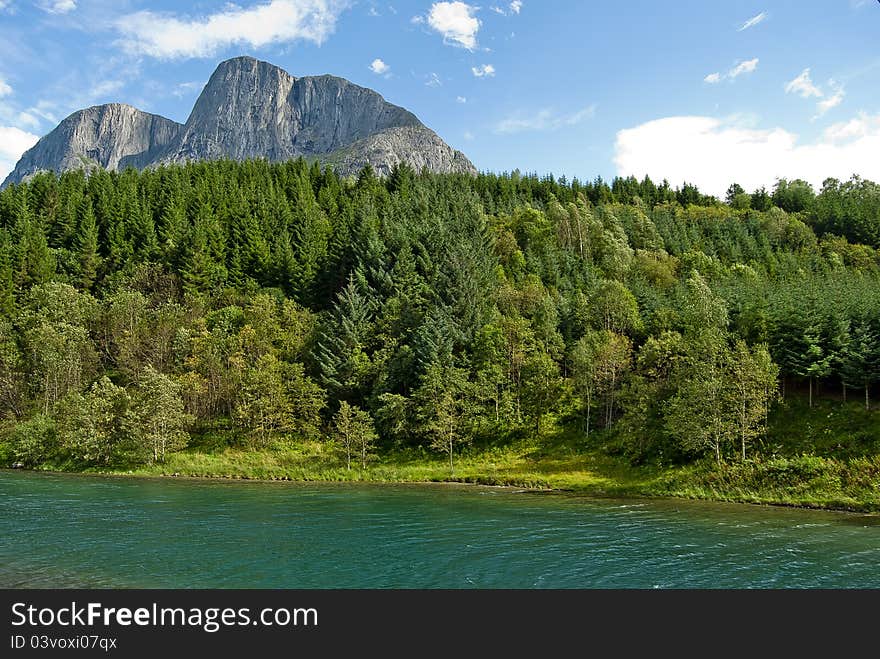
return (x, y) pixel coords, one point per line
(811, 393)
(867, 402)
(589, 407)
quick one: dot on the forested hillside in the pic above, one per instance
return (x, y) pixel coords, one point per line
(256, 304)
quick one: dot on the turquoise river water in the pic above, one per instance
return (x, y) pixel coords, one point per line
(80, 531)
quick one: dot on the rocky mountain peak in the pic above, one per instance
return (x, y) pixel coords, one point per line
(249, 109)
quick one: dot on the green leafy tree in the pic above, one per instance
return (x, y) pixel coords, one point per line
(752, 387)
(542, 387)
(353, 429)
(696, 415)
(443, 409)
(94, 427)
(263, 408)
(159, 414)
(34, 440)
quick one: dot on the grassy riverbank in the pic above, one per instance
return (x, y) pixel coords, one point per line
(834, 467)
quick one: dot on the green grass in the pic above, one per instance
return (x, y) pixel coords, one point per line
(827, 456)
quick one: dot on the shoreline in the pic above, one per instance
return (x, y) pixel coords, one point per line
(623, 491)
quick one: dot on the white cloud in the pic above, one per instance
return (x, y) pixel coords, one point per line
(483, 71)
(543, 120)
(187, 88)
(747, 66)
(57, 6)
(513, 8)
(166, 36)
(102, 91)
(803, 86)
(743, 67)
(753, 21)
(712, 153)
(46, 110)
(13, 143)
(469, 136)
(5, 89)
(861, 126)
(27, 119)
(830, 102)
(456, 21)
(461, 99)
(379, 67)
(433, 80)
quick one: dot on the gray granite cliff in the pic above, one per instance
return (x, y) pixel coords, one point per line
(250, 109)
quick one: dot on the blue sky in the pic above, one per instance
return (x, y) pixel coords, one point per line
(707, 92)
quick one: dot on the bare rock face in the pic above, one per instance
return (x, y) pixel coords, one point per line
(417, 146)
(112, 136)
(241, 113)
(250, 109)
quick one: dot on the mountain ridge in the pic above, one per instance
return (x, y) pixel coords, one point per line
(249, 108)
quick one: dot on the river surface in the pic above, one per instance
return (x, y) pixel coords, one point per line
(61, 531)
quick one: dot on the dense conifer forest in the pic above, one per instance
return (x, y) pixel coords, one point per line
(263, 305)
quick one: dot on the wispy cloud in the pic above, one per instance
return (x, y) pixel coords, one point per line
(455, 21)
(461, 99)
(57, 6)
(187, 88)
(513, 8)
(483, 71)
(832, 101)
(25, 118)
(753, 21)
(102, 89)
(433, 80)
(741, 68)
(543, 120)
(45, 110)
(379, 67)
(803, 86)
(748, 66)
(166, 36)
(5, 89)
